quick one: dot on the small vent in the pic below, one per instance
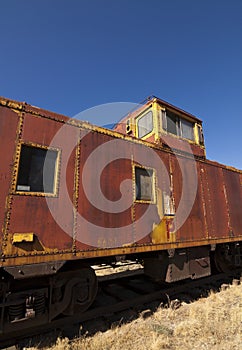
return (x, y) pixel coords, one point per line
(128, 127)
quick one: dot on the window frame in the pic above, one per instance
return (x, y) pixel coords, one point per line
(177, 124)
(193, 129)
(179, 119)
(153, 181)
(149, 133)
(55, 172)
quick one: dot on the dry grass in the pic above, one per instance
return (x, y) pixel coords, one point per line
(209, 323)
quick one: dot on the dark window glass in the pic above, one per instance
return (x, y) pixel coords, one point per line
(36, 170)
(144, 184)
(145, 124)
(175, 125)
(172, 123)
(187, 129)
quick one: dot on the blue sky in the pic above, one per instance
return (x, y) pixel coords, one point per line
(68, 56)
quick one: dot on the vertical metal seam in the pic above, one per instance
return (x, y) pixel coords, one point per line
(227, 204)
(58, 172)
(133, 218)
(9, 198)
(203, 171)
(76, 194)
(208, 203)
(171, 183)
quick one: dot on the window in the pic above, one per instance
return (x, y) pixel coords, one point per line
(144, 184)
(145, 124)
(187, 130)
(36, 170)
(172, 123)
(175, 125)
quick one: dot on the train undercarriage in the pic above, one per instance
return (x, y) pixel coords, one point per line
(29, 302)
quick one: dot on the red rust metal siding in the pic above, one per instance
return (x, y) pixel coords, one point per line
(95, 217)
(8, 128)
(214, 200)
(194, 228)
(188, 196)
(30, 212)
(215, 207)
(175, 143)
(233, 200)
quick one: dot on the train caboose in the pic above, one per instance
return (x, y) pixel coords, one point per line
(74, 194)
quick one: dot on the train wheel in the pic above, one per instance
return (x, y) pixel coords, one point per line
(83, 286)
(73, 291)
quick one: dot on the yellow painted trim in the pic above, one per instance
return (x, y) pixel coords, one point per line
(150, 109)
(76, 193)
(196, 134)
(156, 120)
(133, 189)
(22, 237)
(159, 233)
(86, 254)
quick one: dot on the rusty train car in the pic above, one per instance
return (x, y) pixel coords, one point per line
(74, 195)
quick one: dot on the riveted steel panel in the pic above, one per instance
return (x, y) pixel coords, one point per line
(190, 223)
(40, 130)
(104, 192)
(8, 129)
(234, 200)
(194, 227)
(49, 217)
(214, 200)
(70, 225)
(31, 214)
(150, 216)
(177, 187)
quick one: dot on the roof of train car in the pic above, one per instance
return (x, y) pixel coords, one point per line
(149, 100)
(25, 107)
(29, 108)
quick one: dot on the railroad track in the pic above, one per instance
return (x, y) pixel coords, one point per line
(121, 297)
